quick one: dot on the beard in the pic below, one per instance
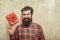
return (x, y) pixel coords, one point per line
(26, 22)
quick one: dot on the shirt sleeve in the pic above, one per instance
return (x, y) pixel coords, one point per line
(11, 36)
(15, 35)
(41, 34)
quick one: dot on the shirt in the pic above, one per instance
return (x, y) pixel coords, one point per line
(33, 32)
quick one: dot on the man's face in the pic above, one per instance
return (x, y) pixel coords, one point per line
(26, 18)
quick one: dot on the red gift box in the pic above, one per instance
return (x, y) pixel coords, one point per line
(12, 18)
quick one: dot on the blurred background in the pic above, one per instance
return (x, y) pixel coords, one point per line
(46, 13)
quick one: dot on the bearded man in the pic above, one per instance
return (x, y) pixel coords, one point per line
(28, 30)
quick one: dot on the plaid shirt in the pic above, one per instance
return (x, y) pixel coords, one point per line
(33, 32)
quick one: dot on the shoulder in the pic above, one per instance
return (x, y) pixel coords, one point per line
(37, 25)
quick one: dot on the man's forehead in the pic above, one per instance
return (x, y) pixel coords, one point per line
(26, 12)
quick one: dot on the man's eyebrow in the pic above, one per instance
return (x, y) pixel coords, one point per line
(23, 14)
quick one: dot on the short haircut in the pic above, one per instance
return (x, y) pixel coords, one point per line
(27, 8)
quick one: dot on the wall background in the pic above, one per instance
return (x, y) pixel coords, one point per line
(46, 13)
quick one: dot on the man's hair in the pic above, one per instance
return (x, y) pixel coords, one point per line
(27, 8)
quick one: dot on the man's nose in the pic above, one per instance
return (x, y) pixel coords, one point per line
(26, 16)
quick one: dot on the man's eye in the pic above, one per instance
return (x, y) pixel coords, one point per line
(27, 14)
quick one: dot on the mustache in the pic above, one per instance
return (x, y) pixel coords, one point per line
(26, 22)
(27, 18)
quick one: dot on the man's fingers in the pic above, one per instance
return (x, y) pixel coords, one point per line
(10, 31)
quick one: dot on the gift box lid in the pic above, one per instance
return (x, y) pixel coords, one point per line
(12, 18)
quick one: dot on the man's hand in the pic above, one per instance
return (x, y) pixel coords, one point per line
(12, 29)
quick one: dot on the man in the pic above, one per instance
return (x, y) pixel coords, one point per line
(27, 30)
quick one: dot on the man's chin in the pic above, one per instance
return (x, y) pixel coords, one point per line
(26, 23)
